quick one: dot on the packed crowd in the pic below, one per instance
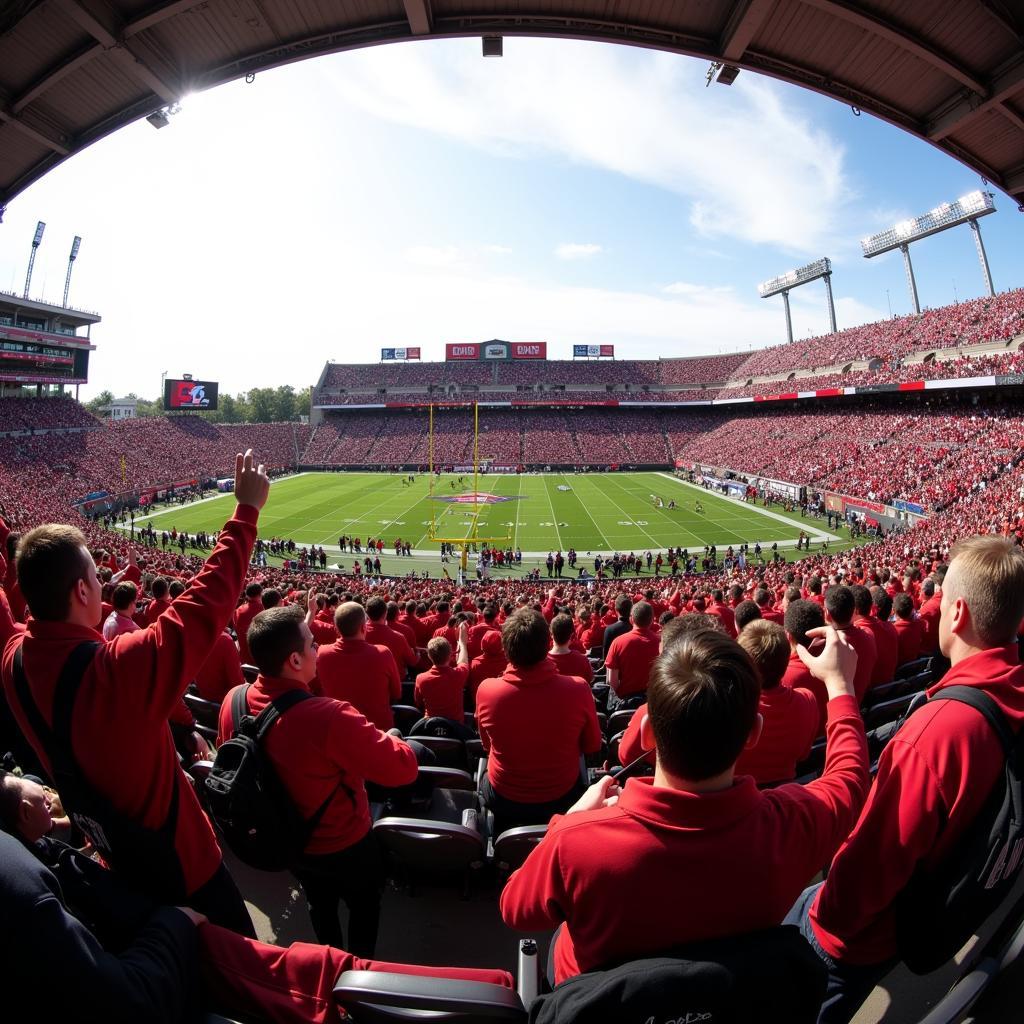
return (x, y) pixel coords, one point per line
(724, 680)
(21, 414)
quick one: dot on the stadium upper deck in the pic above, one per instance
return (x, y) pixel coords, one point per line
(978, 338)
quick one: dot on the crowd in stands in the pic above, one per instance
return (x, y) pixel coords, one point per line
(21, 414)
(703, 663)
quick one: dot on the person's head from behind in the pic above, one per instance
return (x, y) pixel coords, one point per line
(862, 602)
(800, 618)
(982, 602)
(57, 576)
(561, 629)
(281, 644)
(490, 645)
(271, 597)
(687, 623)
(903, 606)
(126, 595)
(882, 603)
(702, 700)
(439, 651)
(525, 637)
(623, 605)
(768, 646)
(376, 609)
(253, 590)
(746, 612)
(350, 620)
(176, 589)
(24, 808)
(160, 588)
(839, 605)
(641, 615)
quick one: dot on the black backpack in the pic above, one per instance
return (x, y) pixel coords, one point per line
(940, 909)
(246, 797)
(771, 976)
(143, 856)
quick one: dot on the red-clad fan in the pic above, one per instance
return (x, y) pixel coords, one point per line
(590, 630)
(354, 670)
(160, 602)
(789, 718)
(763, 600)
(157, 835)
(534, 724)
(440, 691)
(569, 662)
(222, 670)
(932, 779)
(928, 616)
(244, 614)
(886, 641)
(839, 611)
(322, 750)
(487, 624)
(680, 844)
(490, 663)
(802, 618)
(631, 655)
(380, 633)
(909, 630)
(722, 611)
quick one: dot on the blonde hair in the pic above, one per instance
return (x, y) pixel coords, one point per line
(989, 578)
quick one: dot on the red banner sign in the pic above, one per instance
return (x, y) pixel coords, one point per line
(608, 350)
(529, 349)
(462, 351)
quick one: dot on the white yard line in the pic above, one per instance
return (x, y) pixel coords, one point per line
(583, 505)
(800, 524)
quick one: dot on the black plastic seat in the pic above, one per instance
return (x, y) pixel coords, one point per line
(205, 712)
(514, 845)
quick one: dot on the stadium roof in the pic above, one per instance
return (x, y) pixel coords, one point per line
(950, 71)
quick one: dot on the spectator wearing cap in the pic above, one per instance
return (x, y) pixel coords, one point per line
(488, 664)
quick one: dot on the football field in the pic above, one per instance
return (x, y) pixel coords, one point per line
(600, 512)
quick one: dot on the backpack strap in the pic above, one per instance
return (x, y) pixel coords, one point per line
(239, 707)
(988, 708)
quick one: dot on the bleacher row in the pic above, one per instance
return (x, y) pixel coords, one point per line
(881, 347)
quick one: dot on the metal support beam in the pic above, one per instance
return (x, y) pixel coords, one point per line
(158, 14)
(745, 18)
(831, 305)
(959, 110)
(789, 318)
(982, 258)
(911, 283)
(905, 38)
(7, 116)
(421, 18)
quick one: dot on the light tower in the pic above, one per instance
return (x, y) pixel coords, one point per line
(40, 228)
(793, 279)
(75, 246)
(966, 210)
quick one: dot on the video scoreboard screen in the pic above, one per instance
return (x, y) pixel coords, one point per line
(190, 394)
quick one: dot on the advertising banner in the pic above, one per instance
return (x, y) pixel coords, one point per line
(462, 351)
(529, 349)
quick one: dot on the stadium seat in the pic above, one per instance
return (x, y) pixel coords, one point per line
(250, 672)
(376, 997)
(514, 845)
(405, 716)
(441, 777)
(448, 750)
(618, 720)
(912, 668)
(890, 710)
(205, 712)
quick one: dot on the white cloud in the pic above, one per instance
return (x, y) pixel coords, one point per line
(577, 250)
(433, 255)
(498, 250)
(698, 292)
(746, 160)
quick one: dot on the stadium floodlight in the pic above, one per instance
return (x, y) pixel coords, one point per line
(793, 279)
(965, 210)
(75, 246)
(37, 239)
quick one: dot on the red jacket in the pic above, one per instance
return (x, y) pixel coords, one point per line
(221, 671)
(933, 778)
(154, 610)
(685, 859)
(489, 664)
(381, 634)
(476, 636)
(362, 673)
(863, 642)
(928, 616)
(909, 633)
(324, 746)
(632, 654)
(119, 730)
(790, 725)
(798, 677)
(726, 615)
(439, 691)
(244, 614)
(534, 724)
(574, 664)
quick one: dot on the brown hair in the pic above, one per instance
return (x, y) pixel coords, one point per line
(525, 636)
(561, 628)
(988, 575)
(273, 636)
(768, 646)
(702, 700)
(124, 594)
(50, 561)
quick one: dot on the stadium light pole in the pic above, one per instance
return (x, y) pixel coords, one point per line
(75, 246)
(36, 240)
(966, 210)
(782, 284)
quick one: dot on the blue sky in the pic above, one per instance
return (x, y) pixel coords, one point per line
(419, 194)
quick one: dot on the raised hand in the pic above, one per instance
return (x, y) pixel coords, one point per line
(252, 486)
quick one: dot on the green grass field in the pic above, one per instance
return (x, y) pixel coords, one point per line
(598, 513)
